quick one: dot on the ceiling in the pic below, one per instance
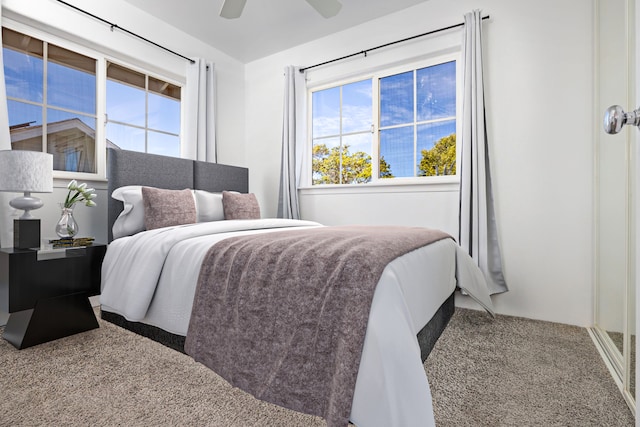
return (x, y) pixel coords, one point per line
(266, 26)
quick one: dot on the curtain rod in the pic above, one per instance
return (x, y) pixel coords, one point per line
(115, 26)
(364, 52)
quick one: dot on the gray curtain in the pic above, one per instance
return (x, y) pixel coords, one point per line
(478, 231)
(293, 142)
(6, 220)
(199, 142)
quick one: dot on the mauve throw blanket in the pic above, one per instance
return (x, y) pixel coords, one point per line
(283, 315)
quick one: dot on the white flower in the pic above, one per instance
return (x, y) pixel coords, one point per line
(82, 194)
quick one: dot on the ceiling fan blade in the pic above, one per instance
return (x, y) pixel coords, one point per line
(326, 8)
(232, 9)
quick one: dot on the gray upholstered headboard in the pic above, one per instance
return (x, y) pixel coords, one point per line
(133, 168)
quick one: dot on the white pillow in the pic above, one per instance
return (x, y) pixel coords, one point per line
(209, 206)
(131, 219)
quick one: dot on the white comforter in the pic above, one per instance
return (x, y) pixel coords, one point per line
(152, 276)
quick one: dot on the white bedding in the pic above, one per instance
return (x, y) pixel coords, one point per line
(151, 277)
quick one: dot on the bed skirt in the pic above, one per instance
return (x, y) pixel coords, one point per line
(154, 333)
(427, 336)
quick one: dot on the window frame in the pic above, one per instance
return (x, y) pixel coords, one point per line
(438, 182)
(75, 44)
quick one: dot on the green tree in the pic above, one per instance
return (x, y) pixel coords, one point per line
(337, 166)
(322, 160)
(385, 169)
(331, 164)
(441, 159)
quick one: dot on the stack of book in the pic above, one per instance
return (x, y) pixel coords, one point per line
(72, 243)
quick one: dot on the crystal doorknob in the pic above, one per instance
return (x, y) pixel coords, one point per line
(615, 118)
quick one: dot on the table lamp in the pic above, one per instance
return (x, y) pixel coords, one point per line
(27, 172)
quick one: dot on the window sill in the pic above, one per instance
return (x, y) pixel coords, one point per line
(78, 176)
(97, 183)
(397, 185)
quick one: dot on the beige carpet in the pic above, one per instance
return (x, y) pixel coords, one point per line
(518, 372)
(507, 372)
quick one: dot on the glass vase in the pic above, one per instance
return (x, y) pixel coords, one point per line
(67, 227)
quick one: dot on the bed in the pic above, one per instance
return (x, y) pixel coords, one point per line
(405, 320)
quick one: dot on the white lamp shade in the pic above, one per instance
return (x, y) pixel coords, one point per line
(26, 171)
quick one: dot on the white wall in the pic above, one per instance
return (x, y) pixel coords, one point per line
(539, 95)
(63, 21)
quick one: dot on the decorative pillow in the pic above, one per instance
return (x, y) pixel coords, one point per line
(131, 219)
(164, 208)
(240, 206)
(209, 206)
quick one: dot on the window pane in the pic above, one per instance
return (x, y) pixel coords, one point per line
(22, 115)
(25, 126)
(356, 107)
(125, 103)
(326, 161)
(356, 159)
(437, 148)
(436, 91)
(396, 148)
(396, 99)
(23, 75)
(161, 143)
(23, 69)
(326, 112)
(125, 137)
(164, 113)
(72, 89)
(71, 140)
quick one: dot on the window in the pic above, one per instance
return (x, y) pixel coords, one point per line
(143, 112)
(342, 134)
(56, 105)
(51, 98)
(414, 112)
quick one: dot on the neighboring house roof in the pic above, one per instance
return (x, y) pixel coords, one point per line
(65, 131)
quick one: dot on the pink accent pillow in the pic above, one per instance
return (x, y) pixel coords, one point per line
(240, 206)
(165, 208)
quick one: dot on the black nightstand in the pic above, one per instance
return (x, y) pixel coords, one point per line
(47, 292)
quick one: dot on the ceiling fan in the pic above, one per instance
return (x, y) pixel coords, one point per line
(232, 9)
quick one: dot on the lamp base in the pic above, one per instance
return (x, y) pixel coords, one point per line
(26, 203)
(26, 233)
